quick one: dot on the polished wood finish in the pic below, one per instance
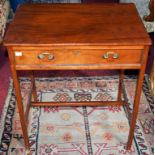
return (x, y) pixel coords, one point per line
(72, 57)
(75, 36)
(34, 92)
(77, 67)
(19, 100)
(76, 24)
(120, 85)
(92, 103)
(137, 97)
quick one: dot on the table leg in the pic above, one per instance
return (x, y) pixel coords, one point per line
(137, 98)
(34, 93)
(121, 76)
(20, 108)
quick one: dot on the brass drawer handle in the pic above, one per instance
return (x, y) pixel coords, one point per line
(46, 54)
(107, 55)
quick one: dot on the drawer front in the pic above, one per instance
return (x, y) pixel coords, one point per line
(79, 57)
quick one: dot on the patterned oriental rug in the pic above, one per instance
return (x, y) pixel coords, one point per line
(78, 130)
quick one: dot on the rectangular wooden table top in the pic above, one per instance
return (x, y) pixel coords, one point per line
(76, 24)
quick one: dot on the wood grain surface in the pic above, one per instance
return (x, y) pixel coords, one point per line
(78, 57)
(76, 24)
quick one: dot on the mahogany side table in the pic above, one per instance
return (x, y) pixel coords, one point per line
(75, 36)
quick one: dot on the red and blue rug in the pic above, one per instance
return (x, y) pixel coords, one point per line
(78, 130)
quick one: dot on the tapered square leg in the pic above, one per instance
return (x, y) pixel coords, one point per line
(137, 98)
(121, 76)
(19, 102)
(34, 92)
(21, 110)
